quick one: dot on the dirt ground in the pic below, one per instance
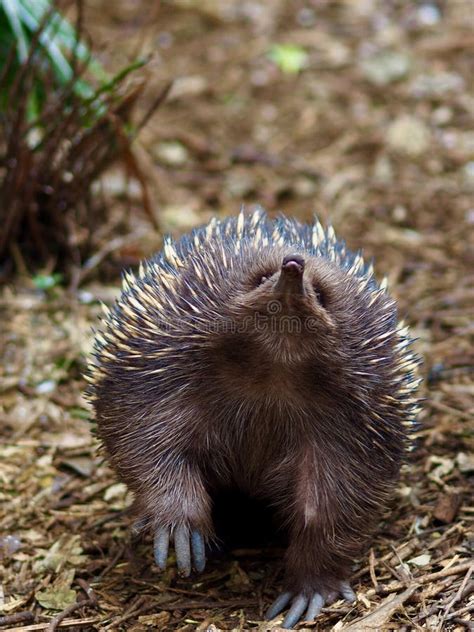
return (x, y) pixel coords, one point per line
(359, 111)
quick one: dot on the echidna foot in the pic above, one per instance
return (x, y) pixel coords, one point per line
(187, 545)
(302, 603)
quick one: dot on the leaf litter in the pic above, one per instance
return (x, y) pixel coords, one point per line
(323, 139)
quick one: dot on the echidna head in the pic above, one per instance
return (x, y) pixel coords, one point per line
(284, 306)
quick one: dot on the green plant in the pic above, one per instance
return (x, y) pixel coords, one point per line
(289, 58)
(63, 121)
(58, 43)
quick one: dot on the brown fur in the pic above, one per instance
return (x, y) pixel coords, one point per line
(310, 421)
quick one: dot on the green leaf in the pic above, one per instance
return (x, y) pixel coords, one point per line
(58, 41)
(289, 58)
(47, 281)
(11, 9)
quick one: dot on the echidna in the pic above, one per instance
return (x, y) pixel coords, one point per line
(258, 355)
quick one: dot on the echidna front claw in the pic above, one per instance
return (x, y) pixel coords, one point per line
(347, 593)
(198, 551)
(278, 605)
(298, 606)
(186, 545)
(314, 607)
(182, 549)
(160, 547)
(301, 603)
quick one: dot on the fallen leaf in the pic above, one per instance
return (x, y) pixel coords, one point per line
(382, 615)
(420, 560)
(55, 599)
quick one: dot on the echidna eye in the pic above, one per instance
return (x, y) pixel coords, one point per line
(321, 298)
(263, 278)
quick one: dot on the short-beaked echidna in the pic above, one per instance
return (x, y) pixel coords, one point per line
(258, 355)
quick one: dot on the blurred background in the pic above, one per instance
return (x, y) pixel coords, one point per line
(122, 121)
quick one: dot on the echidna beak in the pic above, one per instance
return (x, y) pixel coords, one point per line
(291, 275)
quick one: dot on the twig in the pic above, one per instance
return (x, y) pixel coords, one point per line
(139, 606)
(54, 623)
(449, 409)
(154, 105)
(377, 619)
(17, 617)
(66, 623)
(453, 570)
(112, 563)
(372, 569)
(457, 596)
(207, 605)
(88, 590)
(464, 610)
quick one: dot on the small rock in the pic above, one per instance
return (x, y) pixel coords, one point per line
(428, 15)
(447, 507)
(383, 171)
(43, 388)
(187, 87)
(385, 67)
(9, 544)
(85, 297)
(465, 461)
(442, 115)
(171, 153)
(399, 214)
(240, 183)
(304, 187)
(117, 184)
(408, 135)
(468, 175)
(436, 85)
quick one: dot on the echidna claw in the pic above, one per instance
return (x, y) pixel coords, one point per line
(347, 593)
(301, 603)
(160, 547)
(182, 549)
(186, 545)
(278, 605)
(198, 551)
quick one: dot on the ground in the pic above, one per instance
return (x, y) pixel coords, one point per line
(359, 111)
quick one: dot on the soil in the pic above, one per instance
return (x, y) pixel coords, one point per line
(360, 112)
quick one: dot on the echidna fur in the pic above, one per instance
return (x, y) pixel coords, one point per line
(188, 401)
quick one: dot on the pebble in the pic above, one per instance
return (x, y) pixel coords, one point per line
(408, 135)
(9, 544)
(385, 67)
(171, 153)
(436, 84)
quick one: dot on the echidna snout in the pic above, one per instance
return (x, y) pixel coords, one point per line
(290, 280)
(293, 264)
